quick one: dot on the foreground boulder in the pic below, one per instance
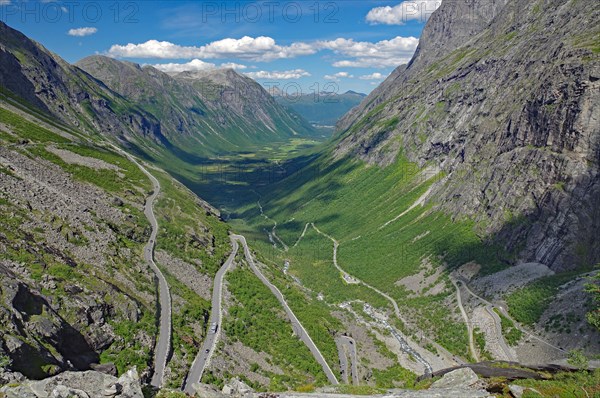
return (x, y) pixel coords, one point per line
(459, 378)
(89, 384)
(236, 387)
(460, 383)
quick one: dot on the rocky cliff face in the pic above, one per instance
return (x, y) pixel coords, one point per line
(33, 326)
(505, 98)
(71, 278)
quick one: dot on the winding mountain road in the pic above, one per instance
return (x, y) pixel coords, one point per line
(297, 326)
(466, 319)
(490, 306)
(496, 319)
(210, 342)
(204, 356)
(163, 343)
(347, 348)
(450, 359)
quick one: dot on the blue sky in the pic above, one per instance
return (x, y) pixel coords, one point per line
(306, 45)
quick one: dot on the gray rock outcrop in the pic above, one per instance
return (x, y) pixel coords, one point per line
(504, 97)
(459, 378)
(89, 384)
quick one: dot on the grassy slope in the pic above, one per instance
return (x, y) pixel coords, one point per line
(180, 218)
(125, 352)
(258, 321)
(351, 201)
(181, 221)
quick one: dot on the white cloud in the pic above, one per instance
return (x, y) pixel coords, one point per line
(193, 65)
(371, 62)
(399, 14)
(4, 2)
(338, 76)
(385, 53)
(373, 76)
(233, 65)
(257, 49)
(382, 54)
(82, 32)
(278, 75)
(381, 49)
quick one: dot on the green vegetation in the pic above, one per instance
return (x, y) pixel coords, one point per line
(565, 385)
(338, 195)
(451, 62)
(41, 116)
(187, 230)
(128, 351)
(190, 314)
(28, 130)
(5, 361)
(258, 321)
(528, 303)
(561, 323)
(433, 316)
(578, 359)
(315, 316)
(170, 394)
(588, 40)
(593, 317)
(510, 332)
(123, 181)
(480, 343)
(313, 264)
(388, 125)
(394, 377)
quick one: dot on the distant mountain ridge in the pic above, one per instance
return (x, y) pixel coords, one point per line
(217, 107)
(217, 112)
(30, 71)
(322, 109)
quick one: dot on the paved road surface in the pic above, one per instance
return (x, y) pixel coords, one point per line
(347, 348)
(210, 342)
(466, 319)
(163, 343)
(497, 322)
(298, 328)
(501, 341)
(343, 360)
(490, 306)
(403, 340)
